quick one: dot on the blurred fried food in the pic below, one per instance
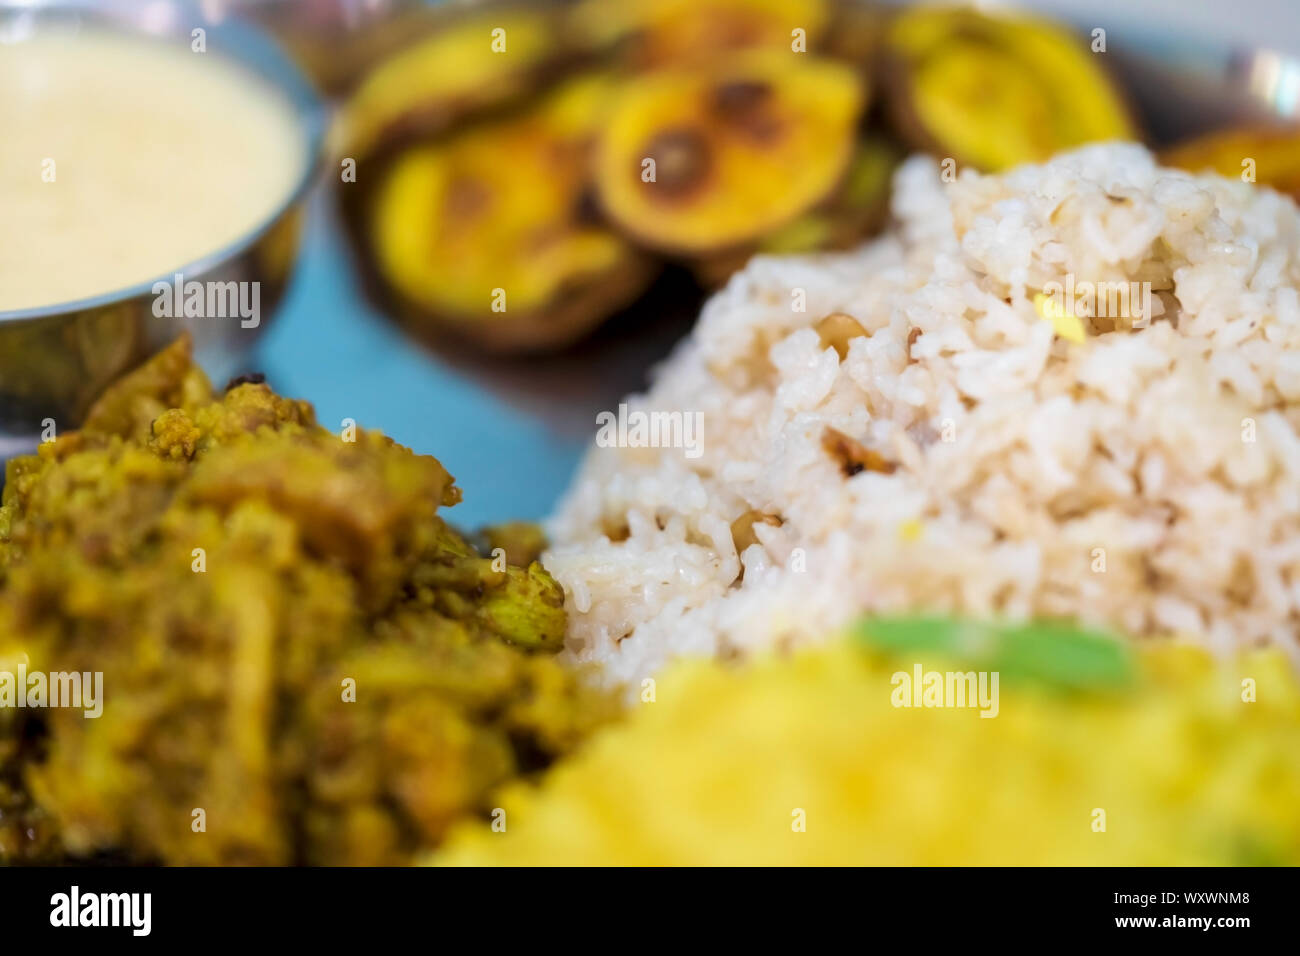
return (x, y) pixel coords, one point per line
(698, 161)
(1269, 154)
(488, 232)
(996, 90)
(650, 34)
(505, 201)
(292, 641)
(856, 209)
(451, 71)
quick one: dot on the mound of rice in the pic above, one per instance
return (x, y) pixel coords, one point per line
(1145, 479)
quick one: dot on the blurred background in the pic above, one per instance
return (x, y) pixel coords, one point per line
(469, 165)
(328, 344)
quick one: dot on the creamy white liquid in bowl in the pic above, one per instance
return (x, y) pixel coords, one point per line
(123, 159)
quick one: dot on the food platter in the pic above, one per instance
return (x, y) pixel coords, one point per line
(886, 450)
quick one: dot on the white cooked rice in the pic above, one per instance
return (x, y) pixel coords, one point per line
(1133, 442)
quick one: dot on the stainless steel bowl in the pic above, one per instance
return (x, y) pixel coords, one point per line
(54, 360)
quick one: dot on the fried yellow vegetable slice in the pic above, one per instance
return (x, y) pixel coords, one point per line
(855, 211)
(657, 33)
(464, 65)
(489, 234)
(994, 91)
(1263, 154)
(701, 160)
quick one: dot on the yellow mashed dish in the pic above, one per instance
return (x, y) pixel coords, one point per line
(807, 760)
